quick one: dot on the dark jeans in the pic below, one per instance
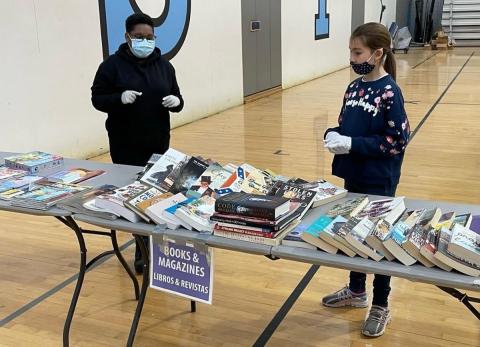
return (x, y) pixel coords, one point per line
(381, 283)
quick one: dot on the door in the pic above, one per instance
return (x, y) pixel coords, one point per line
(261, 43)
(358, 13)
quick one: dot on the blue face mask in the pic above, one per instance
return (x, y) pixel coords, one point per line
(141, 48)
(363, 68)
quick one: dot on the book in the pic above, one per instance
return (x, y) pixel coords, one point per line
(9, 194)
(152, 160)
(295, 194)
(18, 182)
(326, 192)
(114, 203)
(210, 181)
(465, 244)
(348, 208)
(387, 209)
(84, 203)
(398, 235)
(417, 236)
(328, 234)
(143, 205)
(189, 173)
(35, 163)
(275, 241)
(474, 223)
(197, 213)
(262, 206)
(246, 230)
(8, 173)
(162, 168)
(155, 211)
(356, 237)
(74, 175)
(233, 184)
(272, 225)
(134, 202)
(443, 256)
(294, 238)
(312, 234)
(42, 197)
(379, 234)
(340, 233)
(258, 182)
(430, 246)
(173, 222)
(167, 183)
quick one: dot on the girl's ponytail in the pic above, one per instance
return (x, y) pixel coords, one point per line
(390, 64)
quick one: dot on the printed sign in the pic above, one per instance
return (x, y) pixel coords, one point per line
(181, 268)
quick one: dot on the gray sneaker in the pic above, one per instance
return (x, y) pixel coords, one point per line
(377, 321)
(344, 297)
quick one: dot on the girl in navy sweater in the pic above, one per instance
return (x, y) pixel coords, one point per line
(369, 144)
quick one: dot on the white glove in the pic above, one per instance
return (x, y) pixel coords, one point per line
(129, 96)
(170, 101)
(331, 135)
(338, 144)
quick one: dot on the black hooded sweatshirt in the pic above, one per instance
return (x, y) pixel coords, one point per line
(142, 128)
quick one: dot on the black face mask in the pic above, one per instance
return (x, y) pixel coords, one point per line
(362, 68)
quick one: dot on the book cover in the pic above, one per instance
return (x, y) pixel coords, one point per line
(312, 234)
(197, 213)
(155, 211)
(348, 208)
(210, 181)
(17, 182)
(84, 203)
(388, 209)
(152, 160)
(253, 205)
(357, 236)
(295, 194)
(36, 163)
(458, 264)
(115, 202)
(188, 175)
(328, 235)
(133, 202)
(167, 183)
(162, 167)
(74, 175)
(258, 182)
(234, 182)
(6, 173)
(465, 244)
(294, 238)
(326, 191)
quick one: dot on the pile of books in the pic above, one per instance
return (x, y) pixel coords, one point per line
(45, 194)
(35, 163)
(386, 229)
(264, 219)
(178, 190)
(24, 181)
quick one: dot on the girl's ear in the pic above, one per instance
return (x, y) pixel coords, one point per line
(378, 55)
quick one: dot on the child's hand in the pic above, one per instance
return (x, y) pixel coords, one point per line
(338, 144)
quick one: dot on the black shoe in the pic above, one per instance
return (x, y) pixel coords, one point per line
(138, 264)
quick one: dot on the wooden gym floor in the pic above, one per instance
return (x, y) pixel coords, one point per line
(283, 132)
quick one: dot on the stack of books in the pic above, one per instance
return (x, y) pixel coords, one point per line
(264, 219)
(35, 163)
(46, 194)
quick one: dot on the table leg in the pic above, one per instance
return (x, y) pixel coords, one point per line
(124, 263)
